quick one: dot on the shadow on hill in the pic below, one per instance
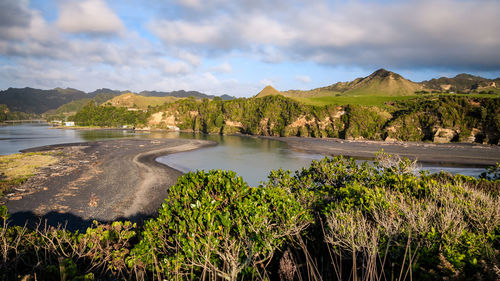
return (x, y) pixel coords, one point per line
(66, 220)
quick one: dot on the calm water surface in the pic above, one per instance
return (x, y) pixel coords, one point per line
(17, 137)
(252, 158)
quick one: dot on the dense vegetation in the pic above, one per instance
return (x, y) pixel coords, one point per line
(455, 118)
(108, 116)
(6, 114)
(463, 83)
(335, 220)
(65, 110)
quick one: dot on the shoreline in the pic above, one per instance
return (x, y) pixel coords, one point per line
(465, 154)
(102, 180)
(442, 154)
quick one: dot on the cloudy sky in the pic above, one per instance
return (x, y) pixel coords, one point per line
(236, 47)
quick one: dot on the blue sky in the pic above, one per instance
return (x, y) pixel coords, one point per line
(238, 47)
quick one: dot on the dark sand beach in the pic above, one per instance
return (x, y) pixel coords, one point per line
(449, 153)
(102, 180)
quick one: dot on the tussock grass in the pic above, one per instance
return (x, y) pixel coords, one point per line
(131, 100)
(16, 168)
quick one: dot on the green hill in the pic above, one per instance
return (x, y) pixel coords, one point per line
(38, 101)
(463, 83)
(383, 86)
(379, 83)
(71, 108)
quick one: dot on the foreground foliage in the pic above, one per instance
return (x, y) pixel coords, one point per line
(335, 220)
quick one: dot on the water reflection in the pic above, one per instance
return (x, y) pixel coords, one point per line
(14, 138)
(251, 158)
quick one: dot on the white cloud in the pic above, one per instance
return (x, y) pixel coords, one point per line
(224, 68)
(186, 32)
(190, 3)
(450, 33)
(89, 16)
(303, 78)
(176, 68)
(262, 29)
(267, 81)
(193, 59)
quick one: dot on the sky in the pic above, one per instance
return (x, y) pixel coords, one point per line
(237, 47)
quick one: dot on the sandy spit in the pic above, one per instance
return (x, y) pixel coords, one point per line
(102, 180)
(449, 153)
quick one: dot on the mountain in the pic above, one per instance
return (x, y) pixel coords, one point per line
(38, 101)
(182, 94)
(107, 91)
(72, 107)
(383, 86)
(380, 83)
(268, 91)
(131, 100)
(462, 83)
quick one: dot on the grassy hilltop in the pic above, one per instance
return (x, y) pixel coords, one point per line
(384, 86)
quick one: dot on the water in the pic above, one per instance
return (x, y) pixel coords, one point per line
(14, 138)
(252, 158)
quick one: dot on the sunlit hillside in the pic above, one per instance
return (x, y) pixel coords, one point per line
(268, 91)
(379, 88)
(131, 100)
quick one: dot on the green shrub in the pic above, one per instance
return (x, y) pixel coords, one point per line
(214, 224)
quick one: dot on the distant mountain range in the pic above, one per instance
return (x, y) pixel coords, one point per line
(182, 94)
(40, 101)
(387, 83)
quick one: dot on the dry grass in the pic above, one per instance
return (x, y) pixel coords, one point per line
(21, 165)
(448, 210)
(131, 100)
(16, 168)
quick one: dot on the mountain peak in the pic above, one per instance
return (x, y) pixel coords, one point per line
(268, 91)
(467, 76)
(382, 73)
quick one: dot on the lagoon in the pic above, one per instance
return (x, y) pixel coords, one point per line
(250, 157)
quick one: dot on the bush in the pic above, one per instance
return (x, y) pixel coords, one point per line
(335, 220)
(385, 220)
(214, 224)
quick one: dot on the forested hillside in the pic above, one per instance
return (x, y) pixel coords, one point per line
(6, 114)
(444, 118)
